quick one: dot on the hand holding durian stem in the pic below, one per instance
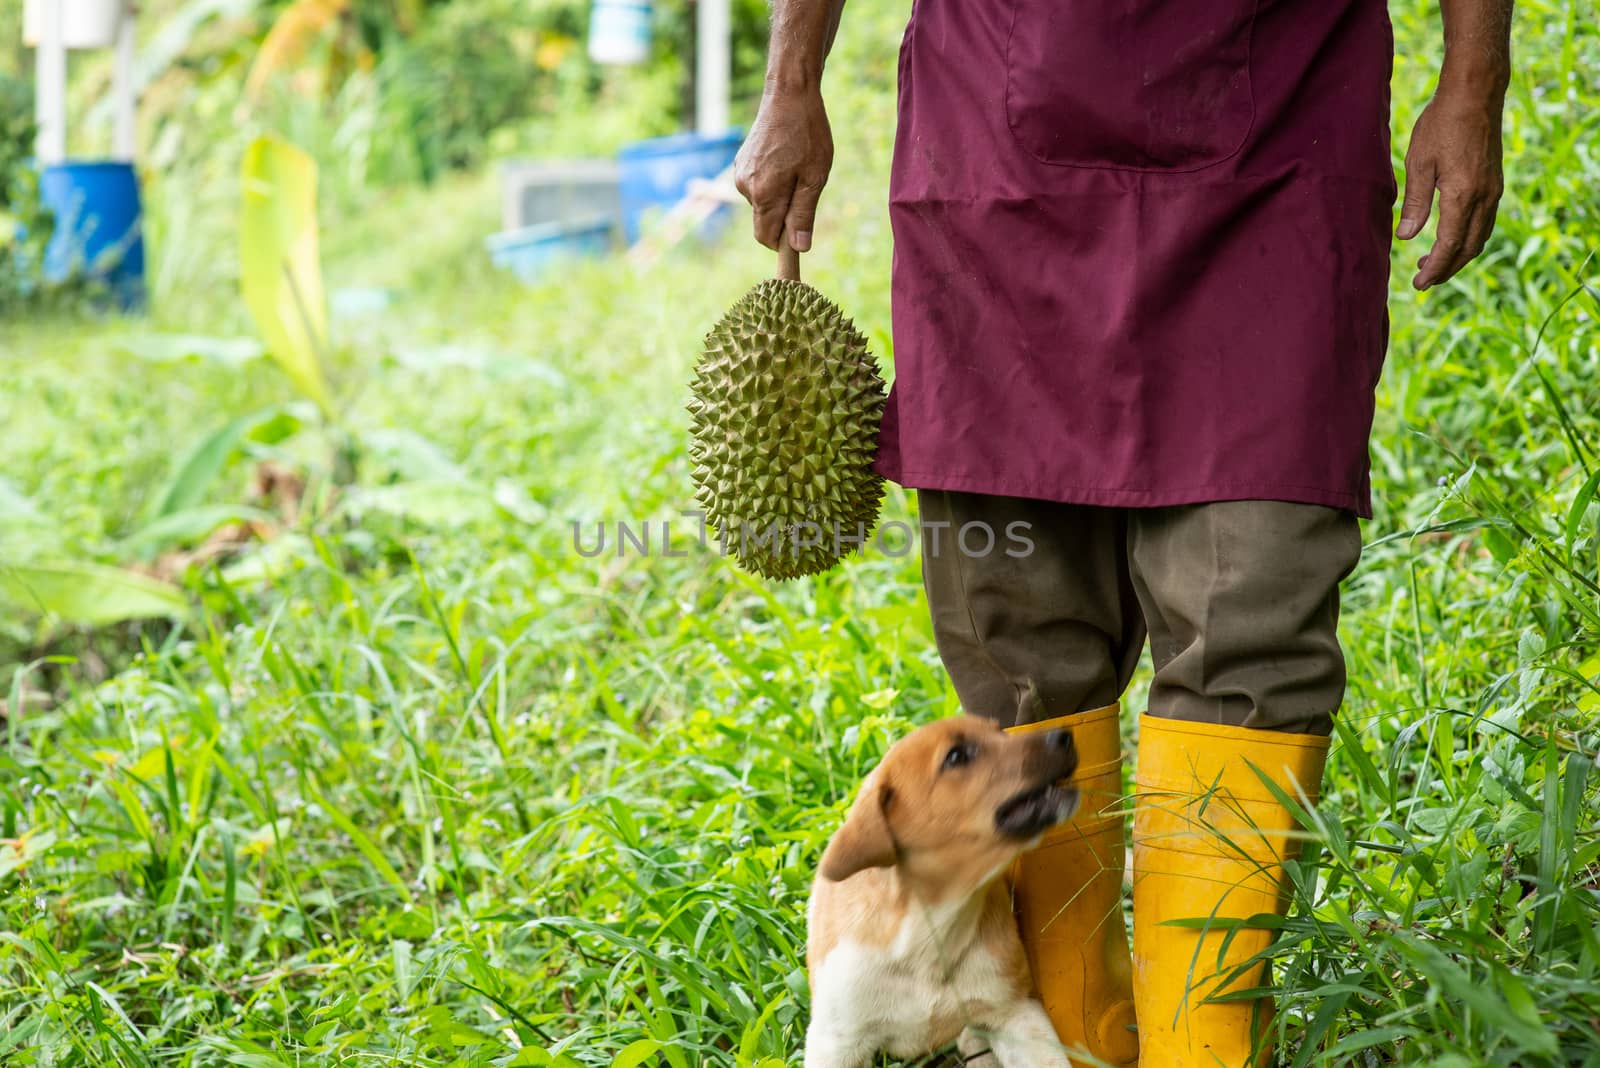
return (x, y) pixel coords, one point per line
(788, 259)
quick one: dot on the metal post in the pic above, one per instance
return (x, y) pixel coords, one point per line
(124, 93)
(50, 85)
(713, 65)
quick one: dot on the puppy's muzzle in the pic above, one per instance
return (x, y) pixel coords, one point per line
(1052, 800)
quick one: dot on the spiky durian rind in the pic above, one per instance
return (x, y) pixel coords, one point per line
(787, 401)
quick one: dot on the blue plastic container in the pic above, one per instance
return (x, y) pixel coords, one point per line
(534, 251)
(656, 173)
(97, 227)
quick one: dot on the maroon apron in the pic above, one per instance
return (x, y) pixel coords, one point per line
(1141, 249)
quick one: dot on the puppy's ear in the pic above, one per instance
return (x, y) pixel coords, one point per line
(865, 840)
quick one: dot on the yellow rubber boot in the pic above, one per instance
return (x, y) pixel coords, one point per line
(1209, 841)
(1068, 896)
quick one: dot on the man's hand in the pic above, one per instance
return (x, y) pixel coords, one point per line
(786, 159)
(1455, 147)
(784, 164)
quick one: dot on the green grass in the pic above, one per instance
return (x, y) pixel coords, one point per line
(418, 784)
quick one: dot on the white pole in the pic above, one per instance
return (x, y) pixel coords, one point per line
(123, 93)
(713, 65)
(50, 85)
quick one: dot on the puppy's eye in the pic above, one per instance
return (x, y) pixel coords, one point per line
(959, 755)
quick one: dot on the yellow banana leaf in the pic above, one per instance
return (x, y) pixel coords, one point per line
(279, 266)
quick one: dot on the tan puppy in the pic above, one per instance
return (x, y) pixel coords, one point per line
(912, 942)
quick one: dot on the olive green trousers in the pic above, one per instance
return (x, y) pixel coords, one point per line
(1240, 601)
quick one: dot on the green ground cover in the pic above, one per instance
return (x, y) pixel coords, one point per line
(415, 782)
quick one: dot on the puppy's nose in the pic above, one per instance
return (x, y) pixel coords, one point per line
(1059, 741)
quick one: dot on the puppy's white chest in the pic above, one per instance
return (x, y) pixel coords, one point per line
(907, 1001)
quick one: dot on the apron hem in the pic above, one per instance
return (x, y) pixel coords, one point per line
(1117, 498)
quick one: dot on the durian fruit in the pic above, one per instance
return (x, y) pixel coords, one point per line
(784, 427)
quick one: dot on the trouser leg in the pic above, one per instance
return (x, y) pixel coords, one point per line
(1049, 607)
(1242, 602)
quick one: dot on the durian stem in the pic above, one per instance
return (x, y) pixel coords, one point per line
(788, 258)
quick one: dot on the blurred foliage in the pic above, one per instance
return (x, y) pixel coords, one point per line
(17, 130)
(469, 70)
(383, 93)
(420, 87)
(469, 82)
(25, 225)
(13, 55)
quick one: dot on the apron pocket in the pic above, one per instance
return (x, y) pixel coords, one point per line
(1131, 84)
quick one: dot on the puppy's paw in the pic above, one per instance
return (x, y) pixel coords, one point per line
(974, 1049)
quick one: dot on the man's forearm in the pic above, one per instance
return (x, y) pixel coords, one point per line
(784, 163)
(1455, 146)
(802, 34)
(1477, 47)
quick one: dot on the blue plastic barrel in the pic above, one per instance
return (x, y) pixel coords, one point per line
(97, 232)
(656, 173)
